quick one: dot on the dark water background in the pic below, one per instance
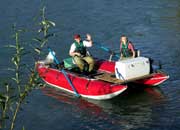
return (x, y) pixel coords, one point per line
(154, 28)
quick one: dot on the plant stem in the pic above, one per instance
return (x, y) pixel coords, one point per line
(15, 113)
(18, 59)
(4, 109)
(44, 19)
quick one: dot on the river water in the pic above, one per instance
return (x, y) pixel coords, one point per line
(154, 28)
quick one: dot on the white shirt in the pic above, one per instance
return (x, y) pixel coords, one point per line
(73, 46)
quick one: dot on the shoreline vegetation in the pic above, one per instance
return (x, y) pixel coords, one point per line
(15, 90)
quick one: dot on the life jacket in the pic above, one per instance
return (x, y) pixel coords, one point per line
(125, 50)
(80, 48)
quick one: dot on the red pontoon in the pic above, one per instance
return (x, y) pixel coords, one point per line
(85, 87)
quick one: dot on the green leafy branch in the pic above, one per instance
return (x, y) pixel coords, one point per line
(21, 86)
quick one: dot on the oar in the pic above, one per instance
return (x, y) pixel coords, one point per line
(106, 49)
(64, 73)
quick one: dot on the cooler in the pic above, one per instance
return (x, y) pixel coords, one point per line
(132, 68)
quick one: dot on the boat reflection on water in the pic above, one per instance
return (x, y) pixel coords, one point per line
(132, 109)
(71, 100)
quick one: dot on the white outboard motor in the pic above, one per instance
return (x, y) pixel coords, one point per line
(49, 59)
(132, 68)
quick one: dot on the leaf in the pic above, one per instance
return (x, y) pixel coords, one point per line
(37, 39)
(11, 69)
(2, 96)
(23, 95)
(51, 23)
(22, 30)
(14, 79)
(48, 23)
(11, 46)
(37, 50)
(40, 30)
(21, 48)
(14, 60)
(44, 22)
(44, 42)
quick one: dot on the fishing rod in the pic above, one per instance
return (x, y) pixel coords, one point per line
(107, 50)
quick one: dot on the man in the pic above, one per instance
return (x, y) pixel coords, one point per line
(126, 48)
(79, 53)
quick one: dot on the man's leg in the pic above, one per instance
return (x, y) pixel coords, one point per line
(90, 61)
(79, 62)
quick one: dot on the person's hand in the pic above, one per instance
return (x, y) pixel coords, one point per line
(121, 56)
(88, 37)
(77, 54)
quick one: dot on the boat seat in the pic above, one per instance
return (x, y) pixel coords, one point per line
(69, 64)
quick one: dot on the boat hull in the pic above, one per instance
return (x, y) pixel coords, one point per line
(94, 88)
(85, 87)
(154, 80)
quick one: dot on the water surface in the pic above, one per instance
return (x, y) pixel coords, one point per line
(153, 27)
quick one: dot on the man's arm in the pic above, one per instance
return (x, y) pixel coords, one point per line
(72, 51)
(88, 42)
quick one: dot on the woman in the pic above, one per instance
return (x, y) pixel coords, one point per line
(126, 48)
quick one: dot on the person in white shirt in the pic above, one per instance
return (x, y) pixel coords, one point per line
(79, 53)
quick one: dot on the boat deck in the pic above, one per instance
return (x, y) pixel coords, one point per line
(108, 77)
